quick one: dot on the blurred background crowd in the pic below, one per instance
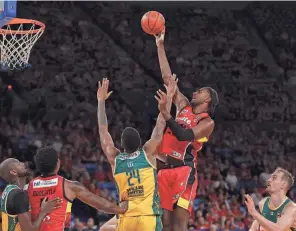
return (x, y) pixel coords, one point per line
(243, 50)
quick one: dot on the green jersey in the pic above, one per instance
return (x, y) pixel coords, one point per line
(9, 222)
(273, 214)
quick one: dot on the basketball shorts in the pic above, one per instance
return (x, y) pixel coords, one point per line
(139, 223)
(177, 187)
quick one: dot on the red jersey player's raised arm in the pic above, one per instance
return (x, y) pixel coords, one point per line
(164, 100)
(179, 99)
(105, 137)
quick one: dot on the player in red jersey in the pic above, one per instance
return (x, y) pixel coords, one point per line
(14, 201)
(182, 140)
(50, 185)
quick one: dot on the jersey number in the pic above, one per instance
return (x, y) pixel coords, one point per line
(133, 174)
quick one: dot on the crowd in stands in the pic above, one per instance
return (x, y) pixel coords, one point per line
(85, 42)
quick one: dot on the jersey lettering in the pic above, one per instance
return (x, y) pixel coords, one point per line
(45, 183)
(44, 193)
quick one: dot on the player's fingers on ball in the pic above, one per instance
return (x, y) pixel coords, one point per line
(156, 98)
(99, 84)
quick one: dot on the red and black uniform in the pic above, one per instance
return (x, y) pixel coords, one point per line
(178, 181)
(50, 187)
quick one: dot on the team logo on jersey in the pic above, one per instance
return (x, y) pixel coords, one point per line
(45, 183)
(176, 154)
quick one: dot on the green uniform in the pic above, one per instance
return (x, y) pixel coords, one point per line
(9, 222)
(136, 180)
(274, 214)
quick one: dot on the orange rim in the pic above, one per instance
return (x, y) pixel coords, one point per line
(23, 21)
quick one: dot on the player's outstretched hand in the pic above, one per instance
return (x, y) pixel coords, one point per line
(159, 38)
(48, 206)
(250, 204)
(103, 93)
(161, 98)
(172, 86)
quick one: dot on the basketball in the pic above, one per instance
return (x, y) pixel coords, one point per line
(153, 22)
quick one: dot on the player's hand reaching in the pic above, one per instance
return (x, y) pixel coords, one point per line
(172, 86)
(48, 206)
(161, 98)
(103, 93)
(250, 204)
(124, 205)
(159, 38)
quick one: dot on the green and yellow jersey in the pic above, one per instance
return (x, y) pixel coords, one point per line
(9, 222)
(273, 214)
(136, 180)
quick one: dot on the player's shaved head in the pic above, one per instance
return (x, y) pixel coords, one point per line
(5, 167)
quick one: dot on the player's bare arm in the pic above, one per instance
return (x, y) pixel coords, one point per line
(164, 100)
(283, 223)
(75, 189)
(106, 140)
(46, 207)
(255, 224)
(179, 99)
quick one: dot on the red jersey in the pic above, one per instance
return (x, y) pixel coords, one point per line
(50, 187)
(183, 150)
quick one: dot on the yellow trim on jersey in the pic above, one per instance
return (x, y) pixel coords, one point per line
(69, 207)
(278, 206)
(146, 157)
(183, 203)
(114, 167)
(4, 221)
(202, 140)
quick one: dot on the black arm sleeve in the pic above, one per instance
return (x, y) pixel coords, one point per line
(181, 134)
(17, 202)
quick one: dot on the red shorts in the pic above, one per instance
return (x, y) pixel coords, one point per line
(177, 187)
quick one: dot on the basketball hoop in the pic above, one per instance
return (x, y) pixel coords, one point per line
(18, 37)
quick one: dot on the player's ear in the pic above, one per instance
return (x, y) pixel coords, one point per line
(208, 100)
(283, 185)
(12, 172)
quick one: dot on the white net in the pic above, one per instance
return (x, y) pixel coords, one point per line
(16, 45)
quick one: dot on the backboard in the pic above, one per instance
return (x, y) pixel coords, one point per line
(7, 11)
